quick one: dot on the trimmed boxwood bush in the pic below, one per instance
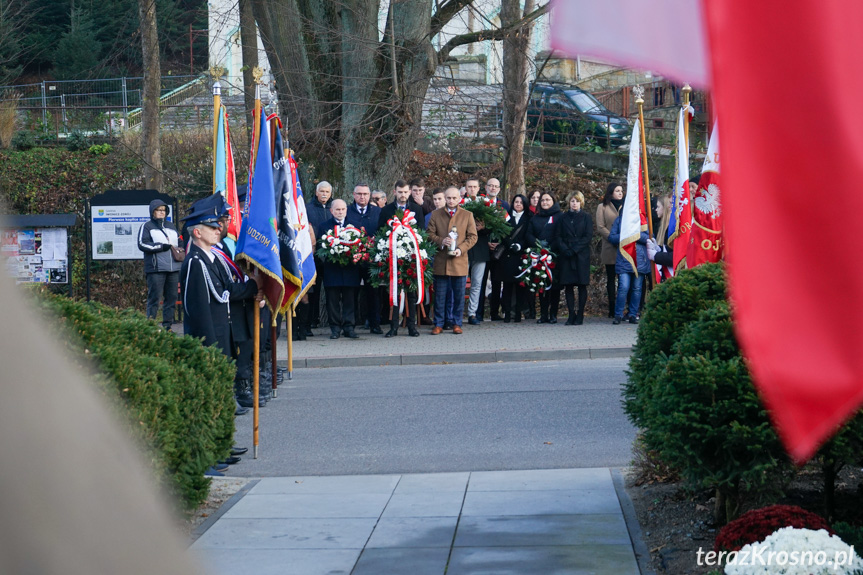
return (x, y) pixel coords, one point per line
(671, 306)
(179, 394)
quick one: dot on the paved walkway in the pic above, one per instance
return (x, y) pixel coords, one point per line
(493, 522)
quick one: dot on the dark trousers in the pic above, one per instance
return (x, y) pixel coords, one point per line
(245, 350)
(494, 298)
(570, 300)
(410, 313)
(340, 307)
(162, 285)
(520, 292)
(610, 278)
(549, 301)
(372, 297)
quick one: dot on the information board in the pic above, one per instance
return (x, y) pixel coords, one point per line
(115, 219)
(38, 255)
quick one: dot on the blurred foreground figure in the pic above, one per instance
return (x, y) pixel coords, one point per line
(75, 496)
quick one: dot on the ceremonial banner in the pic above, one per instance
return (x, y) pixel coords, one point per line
(681, 207)
(258, 243)
(299, 218)
(801, 335)
(283, 183)
(225, 180)
(706, 242)
(632, 218)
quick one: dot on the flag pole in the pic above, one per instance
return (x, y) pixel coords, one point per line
(290, 327)
(256, 358)
(640, 102)
(216, 73)
(273, 360)
(686, 90)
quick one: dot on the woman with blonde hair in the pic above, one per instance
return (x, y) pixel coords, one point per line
(574, 233)
(659, 250)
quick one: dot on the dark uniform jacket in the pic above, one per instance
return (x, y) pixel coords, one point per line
(206, 292)
(242, 310)
(334, 274)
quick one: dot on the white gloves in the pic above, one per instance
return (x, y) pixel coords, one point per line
(652, 248)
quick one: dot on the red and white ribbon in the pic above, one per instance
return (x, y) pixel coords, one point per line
(336, 238)
(400, 227)
(537, 261)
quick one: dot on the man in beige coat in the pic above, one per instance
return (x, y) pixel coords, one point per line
(450, 267)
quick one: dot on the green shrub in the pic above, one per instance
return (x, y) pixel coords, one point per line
(100, 149)
(178, 393)
(77, 141)
(23, 140)
(850, 534)
(671, 306)
(705, 416)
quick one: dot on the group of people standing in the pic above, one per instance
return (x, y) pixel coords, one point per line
(567, 230)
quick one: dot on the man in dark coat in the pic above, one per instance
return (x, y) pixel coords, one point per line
(340, 282)
(492, 190)
(205, 285)
(318, 211)
(402, 201)
(364, 215)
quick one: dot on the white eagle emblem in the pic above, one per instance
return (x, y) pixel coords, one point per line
(707, 201)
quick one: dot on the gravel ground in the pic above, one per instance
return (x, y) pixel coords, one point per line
(221, 489)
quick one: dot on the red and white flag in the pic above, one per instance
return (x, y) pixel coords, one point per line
(632, 218)
(682, 207)
(801, 337)
(706, 240)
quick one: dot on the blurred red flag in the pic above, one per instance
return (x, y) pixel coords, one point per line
(786, 83)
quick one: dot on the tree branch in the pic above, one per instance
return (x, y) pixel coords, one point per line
(445, 13)
(482, 35)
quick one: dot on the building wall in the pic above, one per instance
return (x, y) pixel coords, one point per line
(226, 48)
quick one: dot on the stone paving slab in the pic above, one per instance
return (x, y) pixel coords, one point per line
(562, 521)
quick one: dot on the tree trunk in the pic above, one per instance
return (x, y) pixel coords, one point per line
(150, 150)
(719, 509)
(334, 76)
(516, 70)
(249, 41)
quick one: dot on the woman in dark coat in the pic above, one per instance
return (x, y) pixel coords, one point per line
(510, 262)
(574, 233)
(543, 228)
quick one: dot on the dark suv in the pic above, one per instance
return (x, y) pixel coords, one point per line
(568, 115)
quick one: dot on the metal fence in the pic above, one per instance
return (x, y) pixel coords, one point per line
(89, 105)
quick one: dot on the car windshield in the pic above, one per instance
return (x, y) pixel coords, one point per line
(586, 102)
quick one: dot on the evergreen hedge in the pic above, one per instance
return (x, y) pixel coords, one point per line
(179, 394)
(690, 392)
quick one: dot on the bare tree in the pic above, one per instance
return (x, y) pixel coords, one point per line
(249, 41)
(351, 116)
(516, 67)
(150, 150)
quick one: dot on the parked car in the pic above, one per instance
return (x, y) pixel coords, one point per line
(568, 115)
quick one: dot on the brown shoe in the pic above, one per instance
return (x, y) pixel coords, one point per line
(437, 330)
(456, 330)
